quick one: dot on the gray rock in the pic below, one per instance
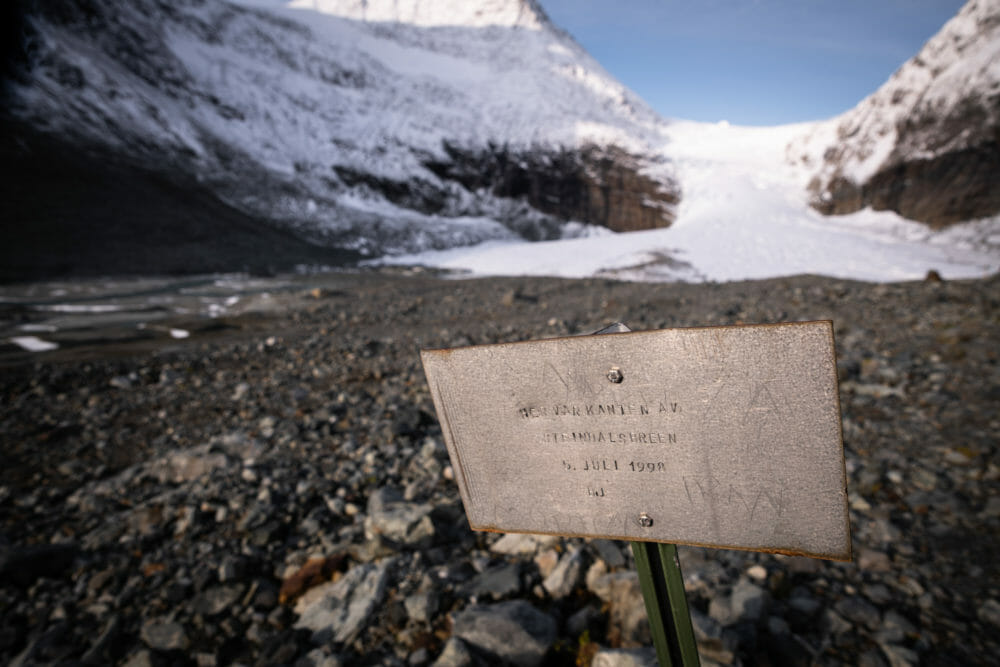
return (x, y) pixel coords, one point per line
(141, 658)
(339, 610)
(749, 601)
(777, 626)
(98, 653)
(625, 657)
(581, 620)
(834, 623)
(608, 551)
(878, 594)
(217, 599)
(392, 517)
(421, 607)
(455, 654)
(871, 658)
(895, 628)
(989, 612)
(566, 574)
(186, 465)
(746, 602)
(318, 658)
(496, 582)
(164, 635)
(899, 656)
(515, 544)
(874, 561)
(514, 632)
(626, 607)
(859, 611)
(714, 642)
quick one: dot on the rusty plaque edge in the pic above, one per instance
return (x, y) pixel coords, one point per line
(634, 332)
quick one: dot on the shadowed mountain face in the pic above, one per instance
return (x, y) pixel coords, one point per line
(71, 211)
(927, 143)
(369, 135)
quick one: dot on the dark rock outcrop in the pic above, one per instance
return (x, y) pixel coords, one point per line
(927, 143)
(598, 185)
(950, 187)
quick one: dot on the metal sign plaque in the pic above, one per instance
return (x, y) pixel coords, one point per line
(721, 436)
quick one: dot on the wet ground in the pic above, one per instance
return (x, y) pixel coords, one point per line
(68, 319)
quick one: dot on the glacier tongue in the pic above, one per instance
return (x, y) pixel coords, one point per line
(745, 215)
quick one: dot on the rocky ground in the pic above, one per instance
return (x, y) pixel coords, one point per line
(276, 490)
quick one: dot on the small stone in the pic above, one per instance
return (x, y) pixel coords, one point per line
(121, 382)
(859, 611)
(874, 561)
(547, 561)
(455, 654)
(989, 612)
(566, 574)
(609, 552)
(834, 623)
(626, 607)
(895, 628)
(496, 582)
(421, 607)
(582, 620)
(216, 600)
(141, 658)
(315, 572)
(338, 611)
(859, 504)
(871, 658)
(757, 572)
(804, 606)
(747, 602)
(392, 517)
(319, 658)
(899, 656)
(515, 544)
(625, 657)
(777, 626)
(514, 632)
(923, 479)
(164, 635)
(879, 594)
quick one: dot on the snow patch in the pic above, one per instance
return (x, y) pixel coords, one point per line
(33, 343)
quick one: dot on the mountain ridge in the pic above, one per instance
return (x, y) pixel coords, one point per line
(329, 125)
(926, 144)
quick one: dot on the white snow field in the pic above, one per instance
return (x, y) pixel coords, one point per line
(743, 215)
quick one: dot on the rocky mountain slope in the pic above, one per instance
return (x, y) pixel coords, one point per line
(372, 126)
(927, 143)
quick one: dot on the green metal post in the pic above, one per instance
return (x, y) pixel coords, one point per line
(666, 604)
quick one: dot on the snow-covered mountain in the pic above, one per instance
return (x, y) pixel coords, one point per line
(927, 143)
(376, 125)
(166, 136)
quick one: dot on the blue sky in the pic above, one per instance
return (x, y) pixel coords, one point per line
(752, 62)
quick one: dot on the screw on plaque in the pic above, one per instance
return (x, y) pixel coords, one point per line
(645, 520)
(615, 375)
